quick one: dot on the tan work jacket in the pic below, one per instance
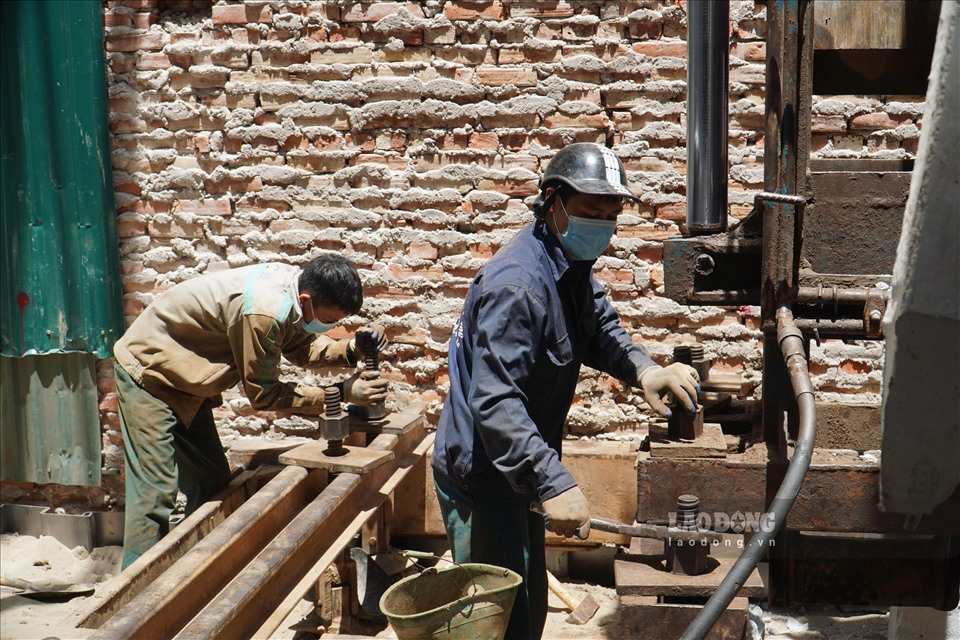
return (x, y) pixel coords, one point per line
(205, 335)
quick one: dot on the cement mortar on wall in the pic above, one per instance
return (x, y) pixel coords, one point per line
(410, 138)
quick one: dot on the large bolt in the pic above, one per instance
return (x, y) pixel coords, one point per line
(688, 557)
(682, 425)
(682, 353)
(367, 345)
(698, 362)
(334, 423)
(688, 508)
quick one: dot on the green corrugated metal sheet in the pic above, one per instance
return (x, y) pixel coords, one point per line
(47, 406)
(60, 271)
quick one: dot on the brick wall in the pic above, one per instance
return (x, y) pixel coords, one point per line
(409, 136)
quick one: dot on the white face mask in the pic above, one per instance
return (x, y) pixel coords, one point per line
(586, 238)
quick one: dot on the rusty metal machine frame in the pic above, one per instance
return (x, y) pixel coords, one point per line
(790, 252)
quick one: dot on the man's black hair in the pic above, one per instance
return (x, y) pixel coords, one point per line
(332, 280)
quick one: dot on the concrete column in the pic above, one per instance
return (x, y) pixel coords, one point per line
(920, 466)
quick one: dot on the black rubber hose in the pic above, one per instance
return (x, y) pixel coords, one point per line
(792, 347)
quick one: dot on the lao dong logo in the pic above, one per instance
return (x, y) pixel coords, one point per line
(737, 522)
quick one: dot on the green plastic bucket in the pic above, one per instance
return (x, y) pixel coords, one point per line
(465, 601)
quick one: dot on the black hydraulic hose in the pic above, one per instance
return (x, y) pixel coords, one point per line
(791, 346)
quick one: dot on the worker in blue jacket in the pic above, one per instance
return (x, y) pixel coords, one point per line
(534, 314)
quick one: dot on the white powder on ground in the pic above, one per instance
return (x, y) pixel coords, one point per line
(46, 562)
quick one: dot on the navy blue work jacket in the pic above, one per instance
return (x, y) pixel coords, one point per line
(531, 318)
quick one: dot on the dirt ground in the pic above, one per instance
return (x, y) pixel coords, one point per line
(45, 562)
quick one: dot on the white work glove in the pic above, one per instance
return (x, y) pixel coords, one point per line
(380, 335)
(680, 380)
(568, 514)
(364, 388)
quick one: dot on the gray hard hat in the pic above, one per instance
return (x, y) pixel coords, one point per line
(587, 168)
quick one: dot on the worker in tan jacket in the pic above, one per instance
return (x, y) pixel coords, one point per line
(202, 337)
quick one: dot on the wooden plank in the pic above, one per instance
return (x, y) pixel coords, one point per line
(323, 530)
(176, 595)
(878, 24)
(112, 596)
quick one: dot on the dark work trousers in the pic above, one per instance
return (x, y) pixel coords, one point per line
(163, 454)
(504, 534)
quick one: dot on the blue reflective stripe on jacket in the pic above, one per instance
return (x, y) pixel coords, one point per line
(531, 318)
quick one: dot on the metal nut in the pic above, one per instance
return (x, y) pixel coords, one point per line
(337, 428)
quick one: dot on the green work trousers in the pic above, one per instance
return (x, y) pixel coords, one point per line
(504, 534)
(163, 454)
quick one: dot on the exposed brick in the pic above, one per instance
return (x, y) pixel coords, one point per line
(676, 211)
(422, 251)
(462, 10)
(828, 124)
(377, 11)
(358, 55)
(134, 42)
(419, 195)
(873, 121)
(152, 61)
(498, 76)
(219, 207)
(545, 11)
(131, 229)
(851, 366)
(241, 14)
(583, 121)
(657, 49)
(488, 141)
(116, 19)
(143, 20)
(750, 51)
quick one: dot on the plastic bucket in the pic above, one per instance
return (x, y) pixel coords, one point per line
(466, 601)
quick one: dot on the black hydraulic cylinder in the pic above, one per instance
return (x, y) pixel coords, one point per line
(707, 52)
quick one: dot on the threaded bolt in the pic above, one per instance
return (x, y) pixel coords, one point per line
(688, 508)
(696, 352)
(368, 346)
(331, 402)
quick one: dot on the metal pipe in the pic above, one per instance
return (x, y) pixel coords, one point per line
(839, 295)
(827, 329)
(707, 42)
(791, 344)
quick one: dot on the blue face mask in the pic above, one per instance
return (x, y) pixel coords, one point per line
(315, 326)
(586, 238)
